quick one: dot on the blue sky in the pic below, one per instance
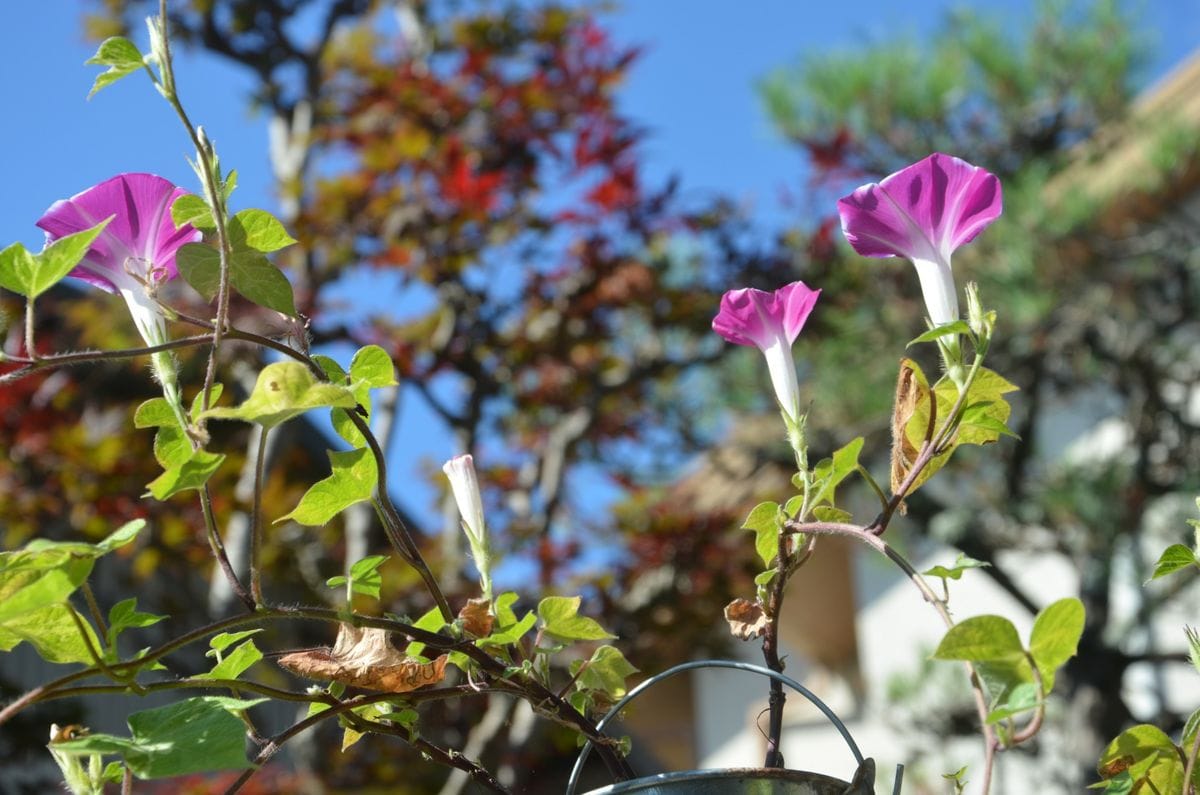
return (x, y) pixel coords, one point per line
(693, 89)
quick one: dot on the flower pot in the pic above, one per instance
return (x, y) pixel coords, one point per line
(738, 781)
(746, 781)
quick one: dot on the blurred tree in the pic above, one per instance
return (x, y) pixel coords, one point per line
(1095, 280)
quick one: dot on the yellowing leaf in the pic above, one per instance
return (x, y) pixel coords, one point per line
(284, 390)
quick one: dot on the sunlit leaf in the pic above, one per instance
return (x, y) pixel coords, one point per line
(559, 618)
(352, 480)
(284, 390)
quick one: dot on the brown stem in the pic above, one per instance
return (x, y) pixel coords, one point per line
(393, 526)
(776, 698)
(86, 357)
(256, 518)
(1035, 723)
(218, 549)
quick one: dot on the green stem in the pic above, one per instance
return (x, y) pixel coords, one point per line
(30, 345)
(94, 608)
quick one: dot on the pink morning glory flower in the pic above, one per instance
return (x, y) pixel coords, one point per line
(770, 322)
(924, 212)
(136, 251)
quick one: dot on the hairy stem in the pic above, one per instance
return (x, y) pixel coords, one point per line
(30, 345)
(218, 549)
(256, 518)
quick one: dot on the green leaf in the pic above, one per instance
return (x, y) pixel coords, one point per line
(200, 266)
(196, 735)
(124, 615)
(370, 368)
(33, 274)
(502, 605)
(235, 663)
(981, 638)
(944, 330)
(154, 413)
(1193, 639)
(955, 572)
(1055, 637)
(18, 267)
(284, 390)
(365, 578)
(46, 572)
(764, 521)
(764, 578)
(31, 580)
(984, 424)
(606, 671)
(509, 633)
(224, 640)
(1018, 699)
(122, 58)
(1173, 559)
(840, 466)
(1148, 756)
(172, 448)
(432, 621)
(214, 397)
(52, 633)
(559, 619)
(191, 209)
(373, 366)
(229, 185)
(253, 276)
(191, 473)
(827, 513)
(250, 273)
(60, 257)
(508, 628)
(352, 481)
(333, 371)
(258, 230)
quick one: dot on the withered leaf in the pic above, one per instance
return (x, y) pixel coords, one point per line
(747, 620)
(477, 617)
(364, 657)
(911, 389)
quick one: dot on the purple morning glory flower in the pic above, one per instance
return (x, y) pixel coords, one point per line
(924, 212)
(770, 322)
(136, 251)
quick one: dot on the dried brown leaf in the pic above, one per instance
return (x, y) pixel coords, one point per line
(477, 617)
(911, 389)
(746, 619)
(364, 657)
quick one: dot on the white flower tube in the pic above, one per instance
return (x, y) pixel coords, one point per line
(460, 470)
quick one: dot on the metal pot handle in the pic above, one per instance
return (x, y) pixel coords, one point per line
(573, 782)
